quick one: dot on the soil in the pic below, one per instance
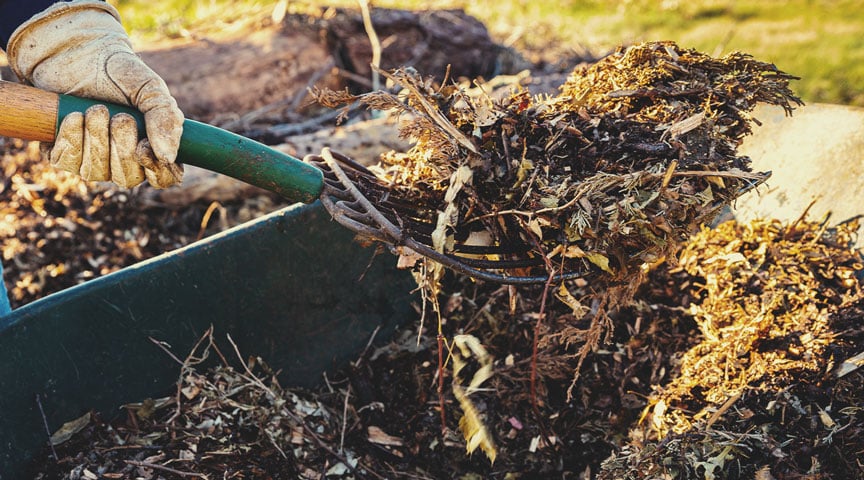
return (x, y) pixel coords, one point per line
(629, 414)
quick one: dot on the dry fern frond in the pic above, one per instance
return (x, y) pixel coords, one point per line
(468, 348)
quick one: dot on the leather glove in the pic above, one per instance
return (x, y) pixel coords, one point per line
(80, 48)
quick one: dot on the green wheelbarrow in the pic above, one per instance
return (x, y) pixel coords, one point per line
(267, 283)
(286, 287)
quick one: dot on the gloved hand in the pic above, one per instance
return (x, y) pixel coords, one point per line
(80, 48)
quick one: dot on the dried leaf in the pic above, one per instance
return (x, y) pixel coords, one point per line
(461, 177)
(69, 429)
(536, 229)
(376, 435)
(470, 346)
(190, 391)
(474, 430)
(600, 260)
(564, 295)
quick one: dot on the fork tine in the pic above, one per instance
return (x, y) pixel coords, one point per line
(399, 224)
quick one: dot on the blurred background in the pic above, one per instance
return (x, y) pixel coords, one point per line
(821, 41)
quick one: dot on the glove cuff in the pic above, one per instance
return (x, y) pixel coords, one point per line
(39, 37)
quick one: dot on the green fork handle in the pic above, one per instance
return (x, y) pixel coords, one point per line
(33, 114)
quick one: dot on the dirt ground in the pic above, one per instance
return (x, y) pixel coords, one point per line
(785, 413)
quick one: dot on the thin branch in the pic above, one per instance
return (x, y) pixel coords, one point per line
(185, 365)
(47, 429)
(288, 129)
(344, 419)
(376, 44)
(165, 469)
(368, 344)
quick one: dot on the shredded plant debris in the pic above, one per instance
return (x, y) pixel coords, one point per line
(737, 363)
(607, 176)
(600, 182)
(740, 358)
(761, 395)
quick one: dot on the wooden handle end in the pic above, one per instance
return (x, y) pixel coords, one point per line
(27, 112)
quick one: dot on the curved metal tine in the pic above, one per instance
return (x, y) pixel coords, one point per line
(352, 209)
(491, 275)
(500, 264)
(376, 219)
(349, 162)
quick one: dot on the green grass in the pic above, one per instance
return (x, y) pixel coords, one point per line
(821, 41)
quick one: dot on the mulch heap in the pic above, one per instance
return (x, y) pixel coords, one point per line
(596, 183)
(773, 387)
(738, 363)
(609, 175)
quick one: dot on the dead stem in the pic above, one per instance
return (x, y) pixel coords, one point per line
(163, 468)
(47, 429)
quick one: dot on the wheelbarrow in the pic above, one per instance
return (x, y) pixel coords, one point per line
(279, 294)
(268, 283)
(286, 287)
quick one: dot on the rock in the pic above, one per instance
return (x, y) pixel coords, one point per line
(814, 156)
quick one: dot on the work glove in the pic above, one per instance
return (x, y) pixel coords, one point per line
(80, 48)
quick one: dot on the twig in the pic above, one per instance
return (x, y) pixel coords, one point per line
(368, 344)
(723, 408)
(165, 469)
(185, 365)
(344, 419)
(128, 447)
(252, 377)
(276, 446)
(162, 346)
(205, 220)
(47, 429)
(440, 339)
(536, 346)
(219, 353)
(373, 39)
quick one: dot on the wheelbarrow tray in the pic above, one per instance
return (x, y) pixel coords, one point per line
(292, 287)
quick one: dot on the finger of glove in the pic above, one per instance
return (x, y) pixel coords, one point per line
(158, 174)
(95, 153)
(149, 94)
(125, 169)
(65, 153)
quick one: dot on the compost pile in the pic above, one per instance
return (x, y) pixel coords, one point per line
(610, 174)
(738, 363)
(767, 391)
